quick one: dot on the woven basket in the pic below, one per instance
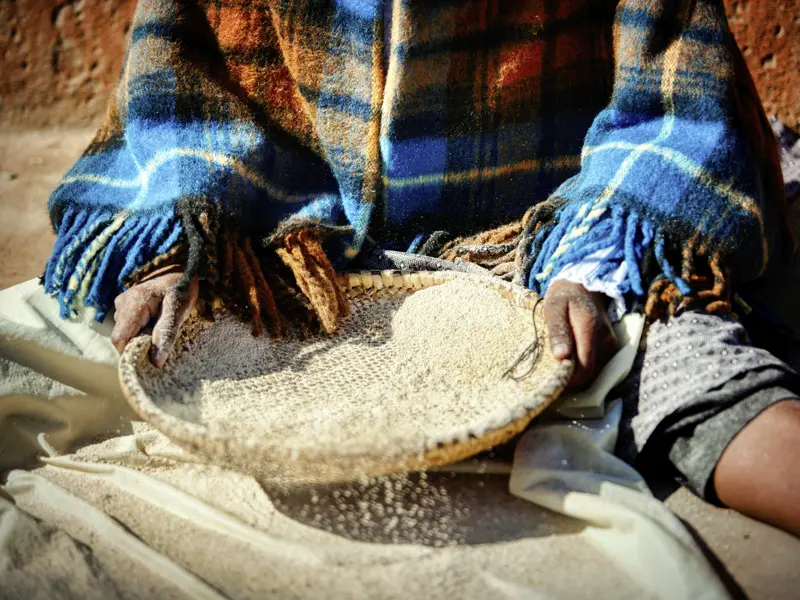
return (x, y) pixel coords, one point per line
(271, 460)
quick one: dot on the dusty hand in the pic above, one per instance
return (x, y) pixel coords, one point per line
(136, 306)
(578, 326)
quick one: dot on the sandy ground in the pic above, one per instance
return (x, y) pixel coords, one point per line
(31, 164)
(759, 561)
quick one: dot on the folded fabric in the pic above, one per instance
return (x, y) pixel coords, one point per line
(129, 514)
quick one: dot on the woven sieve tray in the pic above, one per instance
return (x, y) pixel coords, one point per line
(274, 461)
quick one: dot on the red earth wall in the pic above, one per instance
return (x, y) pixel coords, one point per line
(60, 58)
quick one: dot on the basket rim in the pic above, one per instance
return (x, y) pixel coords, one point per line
(136, 353)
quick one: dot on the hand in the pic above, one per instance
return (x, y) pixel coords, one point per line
(578, 326)
(137, 306)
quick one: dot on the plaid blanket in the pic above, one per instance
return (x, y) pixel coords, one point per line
(255, 140)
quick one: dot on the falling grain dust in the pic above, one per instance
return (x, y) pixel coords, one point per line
(401, 372)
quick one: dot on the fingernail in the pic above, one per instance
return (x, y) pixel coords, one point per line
(561, 350)
(157, 356)
(153, 353)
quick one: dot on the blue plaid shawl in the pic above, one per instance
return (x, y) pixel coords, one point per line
(634, 123)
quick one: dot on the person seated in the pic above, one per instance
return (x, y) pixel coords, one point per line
(611, 156)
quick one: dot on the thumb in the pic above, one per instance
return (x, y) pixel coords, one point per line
(174, 311)
(559, 330)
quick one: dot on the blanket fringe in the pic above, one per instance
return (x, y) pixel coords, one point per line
(495, 250)
(315, 276)
(283, 284)
(490, 244)
(287, 284)
(97, 251)
(533, 251)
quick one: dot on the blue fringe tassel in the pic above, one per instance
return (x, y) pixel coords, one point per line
(577, 232)
(71, 260)
(94, 254)
(99, 295)
(67, 233)
(683, 287)
(133, 259)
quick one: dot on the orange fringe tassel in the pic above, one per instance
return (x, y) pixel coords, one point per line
(315, 277)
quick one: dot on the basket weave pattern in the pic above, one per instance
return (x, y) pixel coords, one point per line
(272, 461)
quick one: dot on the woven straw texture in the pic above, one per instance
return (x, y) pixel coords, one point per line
(377, 397)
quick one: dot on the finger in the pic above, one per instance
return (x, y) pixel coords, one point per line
(556, 316)
(133, 313)
(606, 342)
(608, 347)
(174, 311)
(595, 342)
(583, 318)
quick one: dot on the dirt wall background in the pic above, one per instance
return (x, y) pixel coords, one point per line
(60, 58)
(768, 33)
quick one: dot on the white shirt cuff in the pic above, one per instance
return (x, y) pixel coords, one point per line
(584, 274)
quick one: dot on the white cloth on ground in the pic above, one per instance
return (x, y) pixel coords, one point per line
(130, 515)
